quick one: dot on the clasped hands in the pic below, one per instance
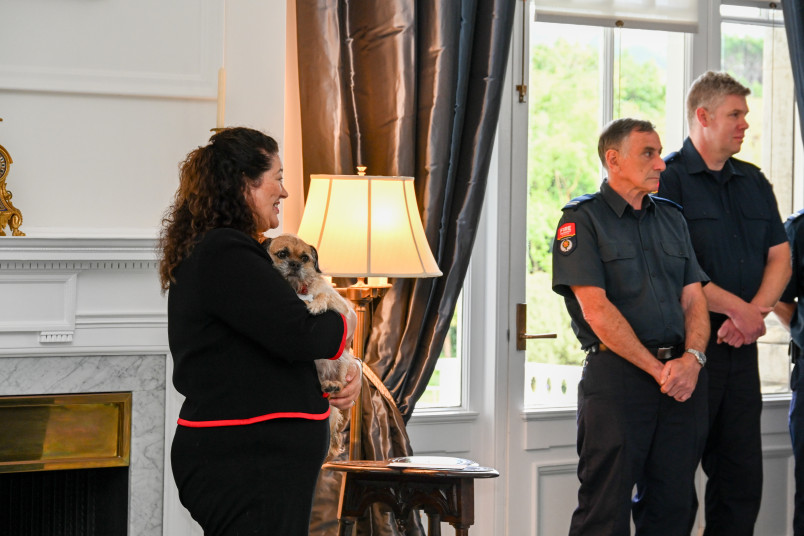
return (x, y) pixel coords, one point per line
(679, 377)
(744, 326)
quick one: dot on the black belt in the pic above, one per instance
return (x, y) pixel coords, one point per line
(662, 353)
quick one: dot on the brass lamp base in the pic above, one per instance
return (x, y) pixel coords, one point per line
(361, 295)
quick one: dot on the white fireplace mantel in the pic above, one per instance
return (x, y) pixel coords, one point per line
(80, 295)
(85, 315)
(24, 248)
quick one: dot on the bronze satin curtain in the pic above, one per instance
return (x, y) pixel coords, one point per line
(411, 88)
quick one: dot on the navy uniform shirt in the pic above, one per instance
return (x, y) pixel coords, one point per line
(732, 217)
(795, 288)
(642, 259)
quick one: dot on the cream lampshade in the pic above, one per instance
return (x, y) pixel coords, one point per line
(366, 226)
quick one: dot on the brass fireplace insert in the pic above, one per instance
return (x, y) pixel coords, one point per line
(72, 431)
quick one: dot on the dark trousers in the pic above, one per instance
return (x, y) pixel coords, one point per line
(796, 424)
(629, 433)
(253, 480)
(732, 457)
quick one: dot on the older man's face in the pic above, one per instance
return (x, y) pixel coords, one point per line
(640, 162)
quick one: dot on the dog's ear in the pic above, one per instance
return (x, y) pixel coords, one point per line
(266, 244)
(315, 259)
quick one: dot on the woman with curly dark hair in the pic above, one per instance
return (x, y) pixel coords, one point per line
(252, 432)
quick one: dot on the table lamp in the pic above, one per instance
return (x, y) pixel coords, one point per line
(366, 227)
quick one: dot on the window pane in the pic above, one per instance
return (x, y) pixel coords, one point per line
(444, 387)
(640, 76)
(564, 118)
(757, 55)
(575, 81)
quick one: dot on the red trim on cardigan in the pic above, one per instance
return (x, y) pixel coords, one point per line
(343, 339)
(253, 420)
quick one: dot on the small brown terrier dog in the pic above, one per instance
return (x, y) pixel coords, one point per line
(297, 261)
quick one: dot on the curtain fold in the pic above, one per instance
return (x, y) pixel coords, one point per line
(412, 88)
(794, 28)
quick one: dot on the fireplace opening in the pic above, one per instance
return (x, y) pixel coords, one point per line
(64, 464)
(73, 502)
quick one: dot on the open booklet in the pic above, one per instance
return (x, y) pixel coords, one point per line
(431, 462)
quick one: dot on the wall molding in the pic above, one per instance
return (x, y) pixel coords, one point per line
(130, 63)
(83, 252)
(427, 416)
(78, 265)
(544, 476)
(53, 337)
(80, 295)
(38, 301)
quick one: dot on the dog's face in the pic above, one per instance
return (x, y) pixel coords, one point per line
(295, 259)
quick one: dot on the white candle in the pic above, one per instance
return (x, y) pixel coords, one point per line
(221, 97)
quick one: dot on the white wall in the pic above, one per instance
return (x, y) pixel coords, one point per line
(101, 101)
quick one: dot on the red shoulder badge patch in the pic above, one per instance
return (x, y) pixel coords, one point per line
(566, 238)
(568, 229)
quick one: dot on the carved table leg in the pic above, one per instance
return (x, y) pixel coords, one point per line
(433, 524)
(460, 530)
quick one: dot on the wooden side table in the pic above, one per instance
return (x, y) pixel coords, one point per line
(446, 491)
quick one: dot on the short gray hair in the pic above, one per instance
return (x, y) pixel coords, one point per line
(615, 133)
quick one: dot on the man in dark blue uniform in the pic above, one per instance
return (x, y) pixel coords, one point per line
(624, 263)
(740, 242)
(790, 311)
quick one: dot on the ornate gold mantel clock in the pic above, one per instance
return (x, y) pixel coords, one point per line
(8, 214)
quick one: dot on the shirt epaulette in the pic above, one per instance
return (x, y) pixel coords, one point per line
(575, 203)
(796, 215)
(666, 201)
(672, 156)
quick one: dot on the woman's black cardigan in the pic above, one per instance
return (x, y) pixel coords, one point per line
(242, 342)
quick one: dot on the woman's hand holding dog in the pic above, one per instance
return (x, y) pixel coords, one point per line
(345, 398)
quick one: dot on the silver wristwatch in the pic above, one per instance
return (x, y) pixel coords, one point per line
(700, 356)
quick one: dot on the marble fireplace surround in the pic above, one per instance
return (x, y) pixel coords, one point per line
(86, 315)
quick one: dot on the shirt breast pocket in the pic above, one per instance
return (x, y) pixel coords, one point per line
(704, 220)
(757, 221)
(675, 259)
(622, 269)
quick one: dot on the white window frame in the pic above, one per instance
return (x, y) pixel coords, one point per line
(474, 333)
(702, 52)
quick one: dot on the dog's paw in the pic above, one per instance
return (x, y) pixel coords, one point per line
(317, 306)
(329, 386)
